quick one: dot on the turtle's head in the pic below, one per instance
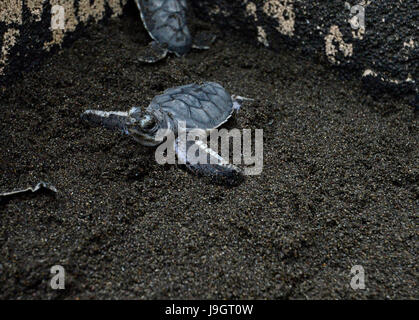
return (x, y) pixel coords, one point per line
(144, 126)
(147, 123)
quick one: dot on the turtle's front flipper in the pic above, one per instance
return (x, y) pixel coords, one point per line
(114, 120)
(153, 53)
(203, 41)
(211, 164)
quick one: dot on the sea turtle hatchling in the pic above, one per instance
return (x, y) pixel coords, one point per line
(165, 21)
(201, 107)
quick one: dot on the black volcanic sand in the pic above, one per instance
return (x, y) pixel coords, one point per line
(339, 185)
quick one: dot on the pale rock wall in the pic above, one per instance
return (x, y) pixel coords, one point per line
(382, 51)
(28, 28)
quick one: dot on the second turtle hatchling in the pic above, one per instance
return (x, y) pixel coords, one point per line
(166, 23)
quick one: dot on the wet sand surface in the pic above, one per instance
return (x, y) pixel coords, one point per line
(339, 185)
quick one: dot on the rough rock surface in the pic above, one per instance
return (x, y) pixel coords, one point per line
(383, 51)
(31, 29)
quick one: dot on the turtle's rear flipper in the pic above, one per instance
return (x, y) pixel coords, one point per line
(203, 161)
(238, 100)
(203, 41)
(114, 120)
(153, 53)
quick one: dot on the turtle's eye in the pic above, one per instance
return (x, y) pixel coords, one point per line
(147, 122)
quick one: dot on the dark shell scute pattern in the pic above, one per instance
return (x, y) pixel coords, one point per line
(205, 106)
(165, 20)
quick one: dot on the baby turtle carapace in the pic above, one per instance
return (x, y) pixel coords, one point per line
(165, 21)
(181, 109)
